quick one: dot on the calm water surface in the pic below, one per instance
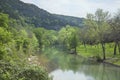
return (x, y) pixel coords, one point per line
(69, 67)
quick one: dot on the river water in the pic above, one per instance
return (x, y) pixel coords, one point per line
(70, 67)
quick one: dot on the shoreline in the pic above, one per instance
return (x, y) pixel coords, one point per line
(101, 61)
(112, 64)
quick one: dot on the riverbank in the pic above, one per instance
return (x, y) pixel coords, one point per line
(113, 62)
(41, 59)
(95, 52)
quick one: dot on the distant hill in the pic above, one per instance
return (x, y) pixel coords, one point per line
(31, 14)
(75, 21)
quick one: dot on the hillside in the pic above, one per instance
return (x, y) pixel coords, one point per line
(31, 14)
(74, 21)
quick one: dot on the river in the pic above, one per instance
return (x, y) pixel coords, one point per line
(64, 66)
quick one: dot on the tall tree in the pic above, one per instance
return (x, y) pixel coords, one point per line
(4, 20)
(39, 32)
(115, 31)
(98, 26)
(68, 38)
(5, 35)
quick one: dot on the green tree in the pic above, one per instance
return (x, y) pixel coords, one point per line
(74, 42)
(39, 32)
(4, 20)
(98, 26)
(5, 35)
(115, 31)
(49, 38)
(5, 38)
(68, 38)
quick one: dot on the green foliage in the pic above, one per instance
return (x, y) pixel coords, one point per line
(10, 71)
(98, 24)
(45, 37)
(4, 20)
(115, 27)
(33, 73)
(5, 36)
(2, 52)
(39, 32)
(31, 14)
(68, 37)
(50, 38)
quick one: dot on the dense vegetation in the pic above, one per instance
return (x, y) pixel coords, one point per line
(33, 15)
(15, 47)
(21, 35)
(104, 29)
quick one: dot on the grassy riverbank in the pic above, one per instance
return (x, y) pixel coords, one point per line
(95, 52)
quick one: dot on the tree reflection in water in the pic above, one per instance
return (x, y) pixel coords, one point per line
(72, 67)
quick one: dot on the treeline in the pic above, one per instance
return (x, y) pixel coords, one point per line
(99, 28)
(17, 41)
(15, 38)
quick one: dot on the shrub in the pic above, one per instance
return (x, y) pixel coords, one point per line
(14, 72)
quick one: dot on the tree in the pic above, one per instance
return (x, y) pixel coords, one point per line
(33, 45)
(39, 32)
(68, 38)
(5, 38)
(49, 38)
(4, 20)
(5, 35)
(115, 31)
(74, 42)
(98, 26)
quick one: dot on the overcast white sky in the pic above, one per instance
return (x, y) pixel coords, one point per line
(78, 8)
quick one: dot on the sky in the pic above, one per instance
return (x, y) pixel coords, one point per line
(77, 8)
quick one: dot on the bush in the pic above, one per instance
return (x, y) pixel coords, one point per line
(33, 73)
(14, 72)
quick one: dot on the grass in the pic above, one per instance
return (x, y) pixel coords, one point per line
(88, 51)
(96, 50)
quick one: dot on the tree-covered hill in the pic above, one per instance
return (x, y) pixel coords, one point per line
(31, 14)
(75, 21)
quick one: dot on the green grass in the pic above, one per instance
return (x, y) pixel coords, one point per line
(88, 51)
(96, 50)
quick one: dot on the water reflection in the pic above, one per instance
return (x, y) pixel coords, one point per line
(69, 75)
(69, 67)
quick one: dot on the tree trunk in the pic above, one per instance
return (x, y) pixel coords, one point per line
(115, 48)
(119, 47)
(84, 46)
(75, 51)
(103, 49)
